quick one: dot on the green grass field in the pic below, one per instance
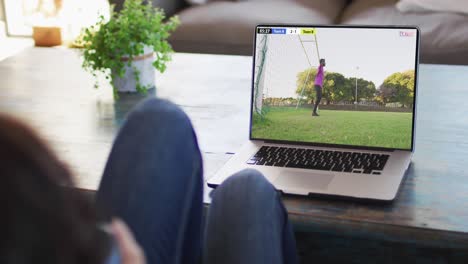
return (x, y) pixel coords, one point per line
(383, 129)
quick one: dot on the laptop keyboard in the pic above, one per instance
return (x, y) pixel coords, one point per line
(315, 159)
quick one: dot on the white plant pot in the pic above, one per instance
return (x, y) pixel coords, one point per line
(144, 64)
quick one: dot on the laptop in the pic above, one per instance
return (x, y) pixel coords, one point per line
(332, 110)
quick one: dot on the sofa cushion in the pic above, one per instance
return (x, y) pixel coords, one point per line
(200, 2)
(444, 36)
(454, 6)
(228, 27)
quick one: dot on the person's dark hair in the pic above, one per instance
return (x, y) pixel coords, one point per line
(43, 220)
(322, 60)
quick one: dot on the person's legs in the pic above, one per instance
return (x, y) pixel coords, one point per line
(318, 91)
(153, 181)
(247, 223)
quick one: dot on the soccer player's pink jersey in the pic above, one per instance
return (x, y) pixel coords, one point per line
(319, 77)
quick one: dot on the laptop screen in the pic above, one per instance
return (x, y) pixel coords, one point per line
(347, 86)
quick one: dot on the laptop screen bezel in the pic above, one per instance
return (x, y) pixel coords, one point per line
(319, 144)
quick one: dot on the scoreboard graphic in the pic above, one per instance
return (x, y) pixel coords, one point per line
(286, 31)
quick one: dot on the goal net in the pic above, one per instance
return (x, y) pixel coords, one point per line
(279, 60)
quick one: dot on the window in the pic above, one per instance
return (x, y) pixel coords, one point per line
(70, 15)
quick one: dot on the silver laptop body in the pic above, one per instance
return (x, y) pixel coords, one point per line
(360, 144)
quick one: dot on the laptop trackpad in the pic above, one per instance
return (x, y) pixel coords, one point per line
(303, 182)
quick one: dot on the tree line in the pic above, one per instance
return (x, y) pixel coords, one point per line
(396, 88)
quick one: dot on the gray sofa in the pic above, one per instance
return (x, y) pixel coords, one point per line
(226, 27)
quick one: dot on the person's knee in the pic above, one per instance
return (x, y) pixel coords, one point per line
(247, 181)
(245, 198)
(153, 106)
(247, 177)
(160, 110)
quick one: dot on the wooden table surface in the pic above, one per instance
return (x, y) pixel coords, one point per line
(47, 88)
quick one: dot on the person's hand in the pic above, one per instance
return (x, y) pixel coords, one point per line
(130, 251)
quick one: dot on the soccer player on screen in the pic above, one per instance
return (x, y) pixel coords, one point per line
(318, 84)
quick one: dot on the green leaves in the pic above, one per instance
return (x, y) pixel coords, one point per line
(398, 88)
(336, 87)
(125, 35)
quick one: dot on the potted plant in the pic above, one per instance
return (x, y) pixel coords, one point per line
(129, 47)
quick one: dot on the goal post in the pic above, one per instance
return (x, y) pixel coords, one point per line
(310, 64)
(279, 59)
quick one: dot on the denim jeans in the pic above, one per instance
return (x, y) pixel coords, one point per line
(153, 180)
